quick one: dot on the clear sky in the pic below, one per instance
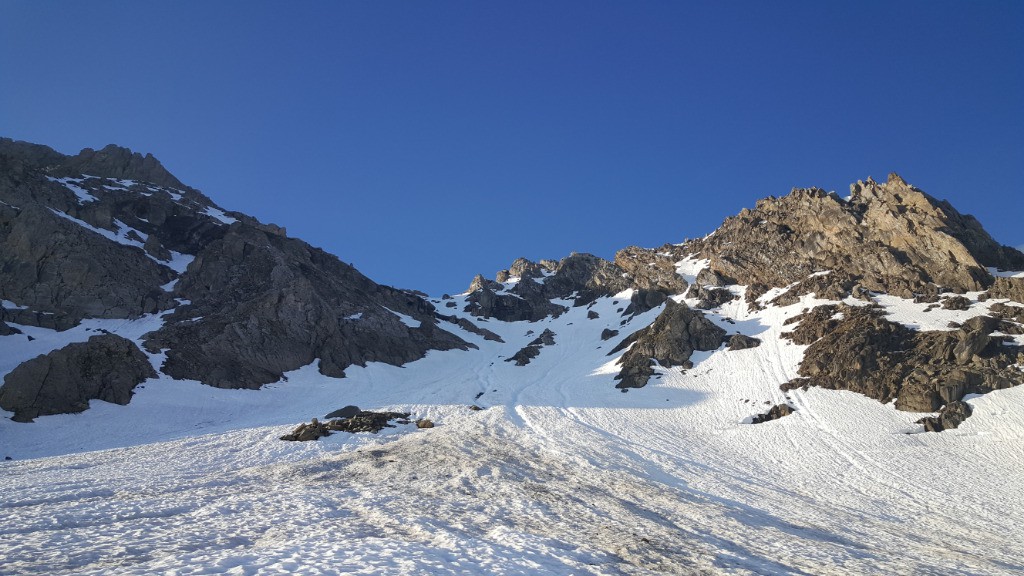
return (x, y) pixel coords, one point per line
(428, 141)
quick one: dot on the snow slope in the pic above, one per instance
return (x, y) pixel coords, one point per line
(560, 473)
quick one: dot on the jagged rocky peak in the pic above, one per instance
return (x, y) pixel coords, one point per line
(579, 277)
(525, 269)
(887, 237)
(114, 161)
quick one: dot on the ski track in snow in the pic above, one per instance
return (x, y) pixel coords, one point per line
(560, 473)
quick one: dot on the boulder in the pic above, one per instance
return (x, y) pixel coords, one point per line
(951, 416)
(346, 412)
(106, 367)
(743, 342)
(776, 412)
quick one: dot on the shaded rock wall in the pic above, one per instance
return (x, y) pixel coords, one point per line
(106, 367)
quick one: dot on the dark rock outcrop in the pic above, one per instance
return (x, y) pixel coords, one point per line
(743, 342)
(106, 367)
(532, 350)
(857, 349)
(264, 304)
(53, 265)
(951, 416)
(709, 297)
(363, 421)
(776, 412)
(470, 327)
(669, 341)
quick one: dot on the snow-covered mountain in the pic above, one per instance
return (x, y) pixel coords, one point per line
(823, 385)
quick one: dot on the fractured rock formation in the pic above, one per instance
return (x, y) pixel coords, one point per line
(857, 349)
(888, 237)
(669, 341)
(106, 367)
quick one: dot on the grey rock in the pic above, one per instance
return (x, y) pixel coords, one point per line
(971, 343)
(670, 341)
(106, 367)
(951, 416)
(346, 412)
(956, 303)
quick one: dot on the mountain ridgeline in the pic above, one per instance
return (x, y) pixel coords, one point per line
(236, 303)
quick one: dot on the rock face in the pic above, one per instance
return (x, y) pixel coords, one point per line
(669, 341)
(887, 237)
(111, 234)
(106, 367)
(857, 349)
(268, 304)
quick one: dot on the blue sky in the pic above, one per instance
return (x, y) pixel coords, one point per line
(428, 141)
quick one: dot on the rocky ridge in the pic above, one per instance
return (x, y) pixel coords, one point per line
(885, 237)
(112, 234)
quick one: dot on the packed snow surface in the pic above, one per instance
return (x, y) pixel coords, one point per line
(559, 473)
